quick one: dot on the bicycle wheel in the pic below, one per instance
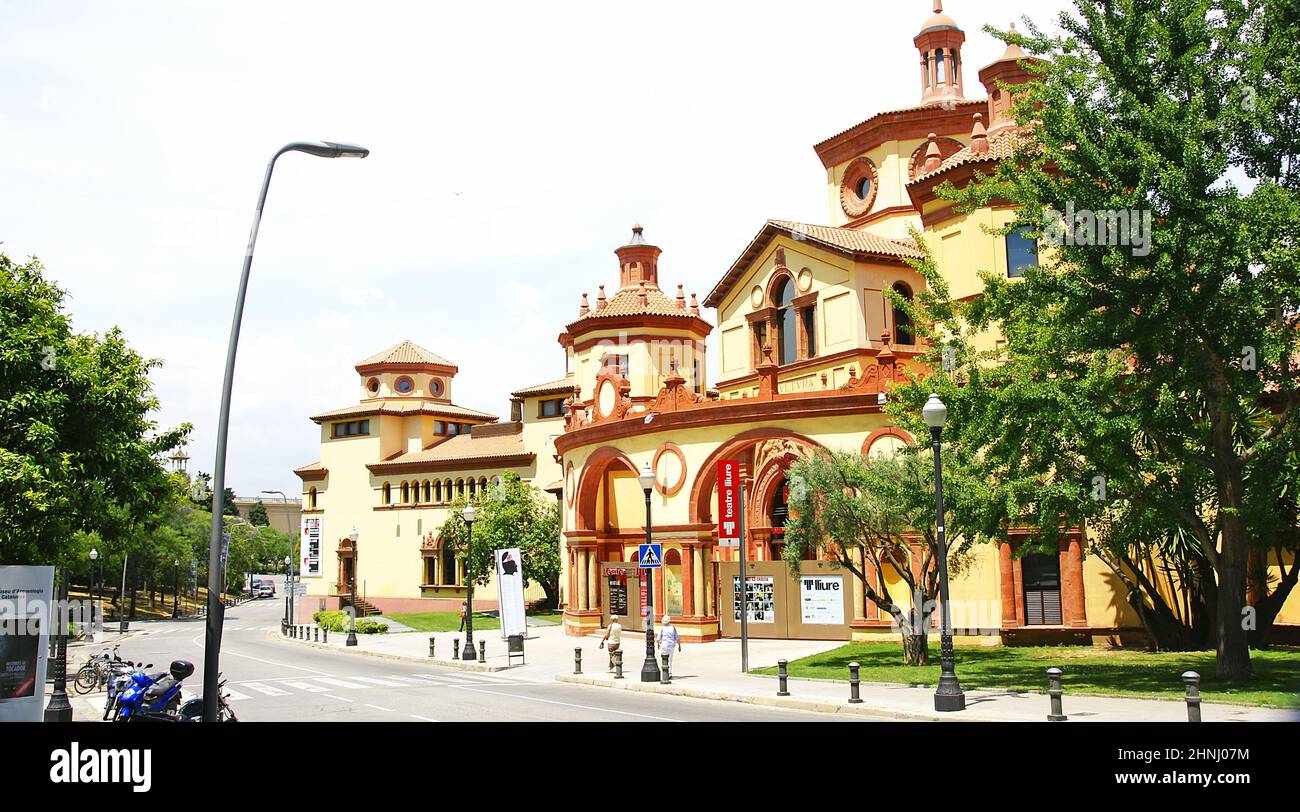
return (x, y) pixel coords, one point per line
(87, 679)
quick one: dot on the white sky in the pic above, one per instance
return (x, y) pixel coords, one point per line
(513, 145)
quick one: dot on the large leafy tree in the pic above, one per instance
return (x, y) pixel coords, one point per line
(79, 451)
(878, 512)
(511, 513)
(1148, 388)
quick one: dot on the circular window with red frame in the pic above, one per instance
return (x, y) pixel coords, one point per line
(858, 187)
(435, 386)
(404, 385)
(372, 386)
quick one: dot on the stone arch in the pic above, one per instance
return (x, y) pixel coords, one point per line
(590, 480)
(886, 431)
(701, 504)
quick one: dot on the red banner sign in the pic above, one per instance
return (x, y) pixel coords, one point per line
(728, 503)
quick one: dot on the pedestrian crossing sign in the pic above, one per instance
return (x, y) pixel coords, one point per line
(651, 556)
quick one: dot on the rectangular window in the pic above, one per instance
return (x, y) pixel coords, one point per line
(1042, 580)
(760, 341)
(1022, 252)
(439, 427)
(451, 429)
(810, 329)
(552, 407)
(352, 428)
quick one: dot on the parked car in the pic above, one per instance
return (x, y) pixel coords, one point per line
(267, 589)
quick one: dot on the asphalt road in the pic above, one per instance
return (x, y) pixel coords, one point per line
(273, 681)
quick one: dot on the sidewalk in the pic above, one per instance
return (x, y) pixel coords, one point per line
(712, 671)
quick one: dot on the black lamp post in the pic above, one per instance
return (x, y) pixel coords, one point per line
(60, 709)
(288, 593)
(948, 696)
(650, 668)
(176, 590)
(94, 593)
(216, 570)
(352, 618)
(469, 515)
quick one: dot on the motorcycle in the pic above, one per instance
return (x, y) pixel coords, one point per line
(192, 710)
(123, 675)
(153, 695)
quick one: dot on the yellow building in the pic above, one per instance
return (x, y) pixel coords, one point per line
(807, 345)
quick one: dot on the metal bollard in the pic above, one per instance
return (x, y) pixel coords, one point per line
(854, 697)
(664, 677)
(1193, 682)
(431, 641)
(577, 660)
(482, 651)
(782, 675)
(618, 664)
(455, 648)
(1054, 691)
(316, 635)
(295, 633)
(325, 638)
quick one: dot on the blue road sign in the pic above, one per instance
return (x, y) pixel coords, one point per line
(651, 556)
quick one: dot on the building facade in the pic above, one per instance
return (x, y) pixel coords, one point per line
(808, 344)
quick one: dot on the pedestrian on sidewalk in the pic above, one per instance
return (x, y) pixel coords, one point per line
(614, 638)
(669, 642)
(463, 605)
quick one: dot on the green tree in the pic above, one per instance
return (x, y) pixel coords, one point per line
(879, 511)
(79, 452)
(1147, 387)
(257, 514)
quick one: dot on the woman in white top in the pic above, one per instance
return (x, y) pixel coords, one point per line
(669, 642)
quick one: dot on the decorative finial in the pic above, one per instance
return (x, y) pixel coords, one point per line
(583, 309)
(933, 157)
(695, 306)
(681, 297)
(600, 298)
(938, 6)
(637, 239)
(979, 138)
(641, 292)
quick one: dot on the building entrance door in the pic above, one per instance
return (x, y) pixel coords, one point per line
(1042, 579)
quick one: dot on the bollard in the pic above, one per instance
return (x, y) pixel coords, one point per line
(782, 675)
(431, 639)
(854, 698)
(325, 638)
(577, 660)
(1193, 682)
(1054, 691)
(455, 648)
(482, 651)
(295, 633)
(664, 677)
(618, 664)
(316, 635)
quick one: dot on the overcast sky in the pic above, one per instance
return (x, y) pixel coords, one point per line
(513, 147)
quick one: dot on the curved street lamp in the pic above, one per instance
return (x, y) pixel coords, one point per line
(650, 668)
(212, 632)
(948, 696)
(469, 514)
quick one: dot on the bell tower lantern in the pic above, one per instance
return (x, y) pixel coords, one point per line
(940, 44)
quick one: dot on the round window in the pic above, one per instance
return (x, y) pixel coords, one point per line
(435, 386)
(372, 386)
(405, 384)
(863, 188)
(858, 187)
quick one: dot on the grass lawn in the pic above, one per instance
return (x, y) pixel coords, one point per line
(450, 621)
(1086, 671)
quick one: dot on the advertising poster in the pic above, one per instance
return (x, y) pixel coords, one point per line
(310, 547)
(510, 591)
(26, 601)
(728, 503)
(821, 599)
(617, 579)
(761, 598)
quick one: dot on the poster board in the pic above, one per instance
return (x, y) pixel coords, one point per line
(311, 534)
(510, 591)
(26, 607)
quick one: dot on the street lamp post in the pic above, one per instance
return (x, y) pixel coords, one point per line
(60, 709)
(948, 696)
(292, 556)
(212, 631)
(176, 590)
(94, 592)
(650, 668)
(288, 595)
(469, 514)
(352, 617)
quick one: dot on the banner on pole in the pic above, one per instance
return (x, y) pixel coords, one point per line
(728, 503)
(310, 547)
(27, 607)
(510, 591)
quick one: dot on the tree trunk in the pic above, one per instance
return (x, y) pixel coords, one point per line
(1232, 648)
(916, 648)
(1267, 608)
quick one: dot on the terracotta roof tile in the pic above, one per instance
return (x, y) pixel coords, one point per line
(407, 352)
(934, 104)
(1002, 145)
(627, 302)
(467, 448)
(564, 384)
(400, 408)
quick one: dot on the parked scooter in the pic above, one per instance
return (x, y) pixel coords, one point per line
(192, 710)
(154, 695)
(126, 674)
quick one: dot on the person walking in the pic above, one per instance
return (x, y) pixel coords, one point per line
(462, 616)
(669, 642)
(613, 639)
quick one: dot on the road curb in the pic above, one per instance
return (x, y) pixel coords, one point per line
(383, 655)
(793, 703)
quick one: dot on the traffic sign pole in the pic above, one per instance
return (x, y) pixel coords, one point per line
(744, 582)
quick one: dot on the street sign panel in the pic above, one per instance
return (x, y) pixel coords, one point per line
(728, 503)
(651, 556)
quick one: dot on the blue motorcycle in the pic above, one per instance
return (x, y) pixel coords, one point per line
(154, 697)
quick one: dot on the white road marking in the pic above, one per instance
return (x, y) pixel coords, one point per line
(304, 686)
(377, 681)
(423, 718)
(338, 683)
(483, 690)
(339, 698)
(265, 689)
(378, 708)
(233, 695)
(407, 680)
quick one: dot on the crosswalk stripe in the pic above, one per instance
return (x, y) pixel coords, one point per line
(409, 680)
(265, 689)
(235, 696)
(304, 686)
(338, 682)
(377, 681)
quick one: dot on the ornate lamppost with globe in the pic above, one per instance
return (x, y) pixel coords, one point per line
(469, 515)
(650, 668)
(948, 696)
(352, 617)
(94, 593)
